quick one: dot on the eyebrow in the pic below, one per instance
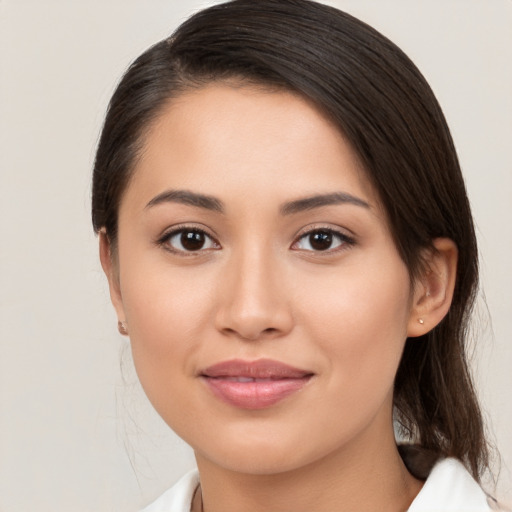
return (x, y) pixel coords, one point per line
(188, 198)
(317, 201)
(299, 205)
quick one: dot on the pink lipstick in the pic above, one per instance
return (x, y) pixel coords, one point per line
(254, 384)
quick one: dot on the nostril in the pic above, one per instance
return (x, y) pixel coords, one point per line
(251, 317)
(251, 336)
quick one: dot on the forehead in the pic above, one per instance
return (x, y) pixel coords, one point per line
(224, 139)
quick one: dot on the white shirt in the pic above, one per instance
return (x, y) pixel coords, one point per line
(448, 488)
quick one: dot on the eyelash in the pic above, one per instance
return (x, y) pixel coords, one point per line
(164, 240)
(344, 240)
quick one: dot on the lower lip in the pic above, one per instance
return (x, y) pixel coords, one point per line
(257, 394)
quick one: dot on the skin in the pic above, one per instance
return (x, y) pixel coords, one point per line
(257, 289)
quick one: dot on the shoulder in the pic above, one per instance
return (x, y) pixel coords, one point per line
(450, 488)
(179, 497)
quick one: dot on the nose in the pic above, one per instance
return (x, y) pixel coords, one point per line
(253, 301)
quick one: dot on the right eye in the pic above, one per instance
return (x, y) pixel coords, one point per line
(189, 240)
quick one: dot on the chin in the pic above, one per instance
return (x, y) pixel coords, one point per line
(267, 454)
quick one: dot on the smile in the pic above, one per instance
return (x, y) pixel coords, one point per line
(254, 384)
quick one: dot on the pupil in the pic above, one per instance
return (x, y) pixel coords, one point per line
(192, 240)
(321, 240)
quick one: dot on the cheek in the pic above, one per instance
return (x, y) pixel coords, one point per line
(167, 311)
(359, 318)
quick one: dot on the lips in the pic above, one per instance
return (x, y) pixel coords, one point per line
(254, 384)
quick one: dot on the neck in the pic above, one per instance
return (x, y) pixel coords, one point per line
(359, 478)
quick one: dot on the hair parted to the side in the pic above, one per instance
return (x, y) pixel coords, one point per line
(386, 110)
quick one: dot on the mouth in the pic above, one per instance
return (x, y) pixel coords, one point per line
(254, 384)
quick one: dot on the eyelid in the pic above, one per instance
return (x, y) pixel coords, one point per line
(347, 239)
(162, 240)
(171, 231)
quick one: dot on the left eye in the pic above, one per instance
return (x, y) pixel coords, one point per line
(190, 240)
(321, 240)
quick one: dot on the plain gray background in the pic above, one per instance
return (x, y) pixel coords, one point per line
(76, 433)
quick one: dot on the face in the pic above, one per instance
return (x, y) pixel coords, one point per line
(266, 302)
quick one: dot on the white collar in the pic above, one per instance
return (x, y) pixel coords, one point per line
(448, 488)
(179, 497)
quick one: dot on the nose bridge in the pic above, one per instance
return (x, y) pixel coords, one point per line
(254, 302)
(255, 271)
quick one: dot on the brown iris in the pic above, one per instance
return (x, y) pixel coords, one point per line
(321, 240)
(192, 240)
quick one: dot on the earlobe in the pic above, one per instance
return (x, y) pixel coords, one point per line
(433, 291)
(110, 268)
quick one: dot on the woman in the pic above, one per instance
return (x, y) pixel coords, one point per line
(289, 245)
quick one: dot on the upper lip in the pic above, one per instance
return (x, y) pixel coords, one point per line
(259, 369)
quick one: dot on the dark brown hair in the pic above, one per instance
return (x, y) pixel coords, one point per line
(386, 110)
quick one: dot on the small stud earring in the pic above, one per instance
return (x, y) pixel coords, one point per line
(122, 328)
(421, 321)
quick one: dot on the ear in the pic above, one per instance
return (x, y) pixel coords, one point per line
(111, 270)
(433, 290)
